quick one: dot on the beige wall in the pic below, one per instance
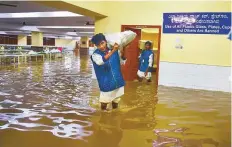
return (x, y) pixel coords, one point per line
(37, 39)
(197, 49)
(71, 44)
(22, 40)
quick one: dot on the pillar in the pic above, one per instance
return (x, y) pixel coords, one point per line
(84, 45)
(68, 43)
(37, 39)
(22, 40)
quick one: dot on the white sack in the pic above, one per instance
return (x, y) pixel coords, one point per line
(121, 38)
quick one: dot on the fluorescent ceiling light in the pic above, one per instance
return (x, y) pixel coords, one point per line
(14, 31)
(66, 27)
(31, 28)
(39, 14)
(71, 33)
(76, 33)
(2, 32)
(77, 38)
(68, 37)
(50, 36)
(86, 32)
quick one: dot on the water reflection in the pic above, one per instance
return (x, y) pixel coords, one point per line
(163, 139)
(108, 131)
(58, 100)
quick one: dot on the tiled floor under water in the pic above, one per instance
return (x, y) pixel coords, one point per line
(55, 104)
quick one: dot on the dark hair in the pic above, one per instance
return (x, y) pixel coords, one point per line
(148, 43)
(98, 38)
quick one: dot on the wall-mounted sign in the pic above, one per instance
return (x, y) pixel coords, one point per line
(197, 23)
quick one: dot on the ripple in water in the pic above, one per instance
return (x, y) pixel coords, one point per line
(60, 99)
(53, 101)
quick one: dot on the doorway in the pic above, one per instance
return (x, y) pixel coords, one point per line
(144, 32)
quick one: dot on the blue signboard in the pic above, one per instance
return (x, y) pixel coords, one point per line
(197, 23)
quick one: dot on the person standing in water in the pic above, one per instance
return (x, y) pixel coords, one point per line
(107, 66)
(146, 63)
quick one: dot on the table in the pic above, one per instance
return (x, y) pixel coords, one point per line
(25, 56)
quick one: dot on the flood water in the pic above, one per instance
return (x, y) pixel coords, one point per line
(55, 104)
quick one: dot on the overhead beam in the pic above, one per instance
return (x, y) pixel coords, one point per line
(35, 29)
(72, 8)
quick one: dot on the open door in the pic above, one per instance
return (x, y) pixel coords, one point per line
(154, 34)
(130, 69)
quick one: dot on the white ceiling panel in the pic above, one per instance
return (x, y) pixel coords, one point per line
(69, 24)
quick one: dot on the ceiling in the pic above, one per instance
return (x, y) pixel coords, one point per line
(52, 25)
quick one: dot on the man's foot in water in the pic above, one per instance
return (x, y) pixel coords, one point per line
(103, 106)
(114, 105)
(140, 79)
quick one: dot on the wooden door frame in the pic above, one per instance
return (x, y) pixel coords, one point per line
(123, 27)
